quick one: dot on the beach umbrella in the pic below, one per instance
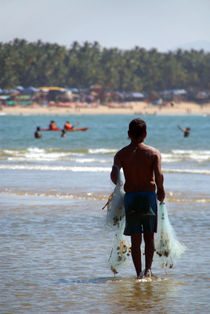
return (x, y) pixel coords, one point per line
(20, 88)
(137, 95)
(179, 92)
(52, 88)
(29, 90)
(73, 90)
(10, 91)
(13, 91)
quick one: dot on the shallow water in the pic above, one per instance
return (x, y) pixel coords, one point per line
(54, 252)
(54, 244)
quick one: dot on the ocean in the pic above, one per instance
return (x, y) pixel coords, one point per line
(54, 244)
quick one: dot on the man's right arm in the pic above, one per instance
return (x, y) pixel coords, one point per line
(115, 169)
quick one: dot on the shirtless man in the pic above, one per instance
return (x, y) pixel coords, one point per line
(141, 165)
(37, 133)
(63, 133)
(186, 131)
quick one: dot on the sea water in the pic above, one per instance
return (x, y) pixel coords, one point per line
(54, 244)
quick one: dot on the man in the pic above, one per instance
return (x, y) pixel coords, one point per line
(186, 131)
(68, 126)
(63, 133)
(37, 133)
(52, 126)
(141, 165)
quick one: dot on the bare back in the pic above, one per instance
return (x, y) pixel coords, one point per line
(141, 166)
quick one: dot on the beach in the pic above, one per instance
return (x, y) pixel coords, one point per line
(179, 108)
(54, 242)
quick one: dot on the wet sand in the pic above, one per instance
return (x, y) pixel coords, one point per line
(129, 108)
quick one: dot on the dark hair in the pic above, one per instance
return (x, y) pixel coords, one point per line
(137, 128)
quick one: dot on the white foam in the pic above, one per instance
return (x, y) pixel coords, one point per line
(195, 171)
(33, 154)
(88, 160)
(40, 154)
(101, 151)
(170, 158)
(91, 169)
(55, 168)
(177, 155)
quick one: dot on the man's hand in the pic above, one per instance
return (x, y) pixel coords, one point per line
(160, 195)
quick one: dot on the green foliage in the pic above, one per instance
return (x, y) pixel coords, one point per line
(37, 64)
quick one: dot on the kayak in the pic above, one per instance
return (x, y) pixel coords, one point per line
(70, 130)
(76, 129)
(54, 130)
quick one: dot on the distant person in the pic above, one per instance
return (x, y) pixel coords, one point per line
(68, 126)
(63, 134)
(141, 165)
(37, 133)
(185, 131)
(52, 125)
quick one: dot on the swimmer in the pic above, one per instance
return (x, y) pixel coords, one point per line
(37, 133)
(185, 131)
(63, 134)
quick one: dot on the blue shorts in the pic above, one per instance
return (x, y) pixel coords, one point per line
(148, 224)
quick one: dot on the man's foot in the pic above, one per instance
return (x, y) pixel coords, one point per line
(141, 275)
(148, 274)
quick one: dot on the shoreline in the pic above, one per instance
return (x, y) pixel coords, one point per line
(136, 108)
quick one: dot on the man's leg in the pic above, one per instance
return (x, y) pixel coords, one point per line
(136, 252)
(149, 250)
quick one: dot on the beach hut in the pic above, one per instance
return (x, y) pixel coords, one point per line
(53, 92)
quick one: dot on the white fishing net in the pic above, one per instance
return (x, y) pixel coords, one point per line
(168, 248)
(115, 205)
(121, 249)
(115, 219)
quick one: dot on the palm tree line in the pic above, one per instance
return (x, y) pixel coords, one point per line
(83, 65)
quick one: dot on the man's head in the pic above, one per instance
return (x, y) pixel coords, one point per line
(137, 129)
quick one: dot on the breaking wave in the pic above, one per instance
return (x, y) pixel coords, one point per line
(89, 169)
(42, 154)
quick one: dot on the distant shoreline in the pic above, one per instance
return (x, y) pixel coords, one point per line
(136, 108)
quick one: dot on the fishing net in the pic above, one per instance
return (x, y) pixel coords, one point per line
(115, 218)
(121, 249)
(167, 246)
(115, 205)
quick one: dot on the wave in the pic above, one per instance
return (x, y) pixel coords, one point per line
(55, 168)
(101, 151)
(173, 197)
(177, 155)
(81, 196)
(90, 169)
(192, 171)
(41, 154)
(101, 155)
(31, 153)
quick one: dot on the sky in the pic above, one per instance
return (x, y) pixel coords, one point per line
(124, 24)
